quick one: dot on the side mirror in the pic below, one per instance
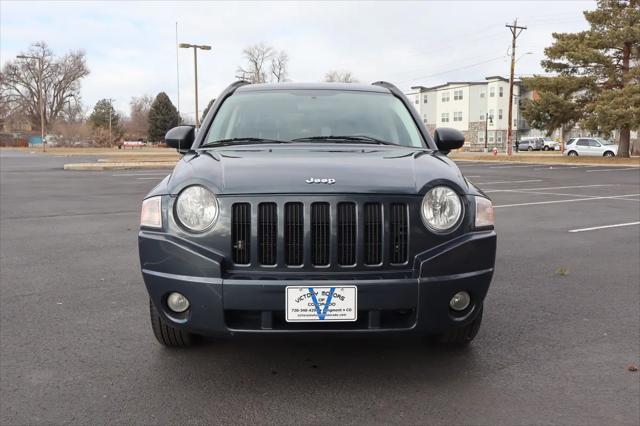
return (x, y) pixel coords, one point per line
(447, 139)
(180, 138)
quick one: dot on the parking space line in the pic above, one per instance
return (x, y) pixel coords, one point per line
(512, 167)
(140, 174)
(148, 178)
(617, 225)
(550, 187)
(507, 181)
(565, 201)
(614, 170)
(558, 167)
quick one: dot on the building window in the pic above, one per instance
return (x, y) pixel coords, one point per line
(445, 96)
(457, 95)
(445, 117)
(499, 114)
(492, 92)
(424, 118)
(491, 117)
(499, 137)
(481, 117)
(417, 99)
(482, 94)
(491, 138)
(500, 90)
(425, 99)
(457, 116)
(480, 137)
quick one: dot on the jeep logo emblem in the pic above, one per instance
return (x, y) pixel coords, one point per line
(326, 181)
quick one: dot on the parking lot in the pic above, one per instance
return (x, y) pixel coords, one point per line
(561, 323)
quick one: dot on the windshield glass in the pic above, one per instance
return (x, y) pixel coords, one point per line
(604, 141)
(285, 115)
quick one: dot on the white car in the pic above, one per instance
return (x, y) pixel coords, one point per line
(550, 145)
(594, 147)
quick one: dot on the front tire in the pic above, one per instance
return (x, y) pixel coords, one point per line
(609, 154)
(546, 148)
(167, 335)
(461, 335)
(530, 149)
(572, 154)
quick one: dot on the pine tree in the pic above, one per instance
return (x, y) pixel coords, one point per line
(162, 117)
(609, 54)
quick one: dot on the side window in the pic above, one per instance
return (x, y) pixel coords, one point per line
(593, 142)
(582, 142)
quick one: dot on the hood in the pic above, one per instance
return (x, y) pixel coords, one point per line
(313, 169)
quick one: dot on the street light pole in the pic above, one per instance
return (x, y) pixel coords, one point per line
(515, 32)
(195, 48)
(487, 119)
(40, 96)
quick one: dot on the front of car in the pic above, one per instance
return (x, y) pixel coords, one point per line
(315, 209)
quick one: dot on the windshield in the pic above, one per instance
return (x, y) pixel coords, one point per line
(285, 115)
(604, 141)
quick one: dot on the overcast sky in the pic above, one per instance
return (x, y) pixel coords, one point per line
(131, 51)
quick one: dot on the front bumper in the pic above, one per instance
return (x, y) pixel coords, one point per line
(411, 301)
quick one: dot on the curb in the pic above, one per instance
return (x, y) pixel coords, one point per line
(119, 166)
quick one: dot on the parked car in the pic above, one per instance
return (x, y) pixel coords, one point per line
(595, 147)
(549, 144)
(530, 144)
(306, 208)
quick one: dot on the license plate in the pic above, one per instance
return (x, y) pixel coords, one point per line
(328, 304)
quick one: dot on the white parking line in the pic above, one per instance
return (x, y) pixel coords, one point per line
(558, 167)
(512, 167)
(149, 178)
(617, 225)
(507, 181)
(140, 174)
(614, 170)
(565, 201)
(550, 187)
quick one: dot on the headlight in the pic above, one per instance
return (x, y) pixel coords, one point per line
(484, 212)
(196, 208)
(151, 213)
(441, 209)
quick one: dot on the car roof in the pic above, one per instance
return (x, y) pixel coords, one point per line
(313, 86)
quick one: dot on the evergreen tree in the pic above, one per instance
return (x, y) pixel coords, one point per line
(162, 117)
(608, 53)
(102, 111)
(206, 110)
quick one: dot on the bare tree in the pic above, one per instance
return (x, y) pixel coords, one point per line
(279, 65)
(57, 78)
(137, 126)
(257, 56)
(340, 76)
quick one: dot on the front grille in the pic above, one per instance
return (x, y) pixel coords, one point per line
(320, 234)
(241, 233)
(293, 233)
(346, 234)
(399, 233)
(267, 233)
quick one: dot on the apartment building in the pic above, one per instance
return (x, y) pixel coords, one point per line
(475, 108)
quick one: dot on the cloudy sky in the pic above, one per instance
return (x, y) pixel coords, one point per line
(131, 49)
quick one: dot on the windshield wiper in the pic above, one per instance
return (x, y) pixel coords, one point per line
(347, 138)
(240, 141)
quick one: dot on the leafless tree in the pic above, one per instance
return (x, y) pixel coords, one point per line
(340, 76)
(137, 126)
(22, 80)
(257, 56)
(279, 65)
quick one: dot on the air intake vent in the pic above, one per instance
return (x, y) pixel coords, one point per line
(293, 233)
(398, 233)
(241, 233)
(320, 234)
(372, 234)
(346, 234)
(267, 233)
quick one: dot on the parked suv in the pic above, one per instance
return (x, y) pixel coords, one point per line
(530, 144)
(597, 147)
(315, 208)
(550, 145)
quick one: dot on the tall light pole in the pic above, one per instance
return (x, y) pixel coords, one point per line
(195, 66)
(40, 95)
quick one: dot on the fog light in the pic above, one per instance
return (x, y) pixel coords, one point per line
(460, 301)
(177, 302)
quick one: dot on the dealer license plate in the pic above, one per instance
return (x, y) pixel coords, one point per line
(328, 304)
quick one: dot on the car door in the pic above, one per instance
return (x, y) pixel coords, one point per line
(595, 148)
(582, 147)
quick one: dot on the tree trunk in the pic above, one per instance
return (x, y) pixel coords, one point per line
(623, 146)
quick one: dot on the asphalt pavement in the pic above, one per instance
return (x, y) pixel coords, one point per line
(561, 324)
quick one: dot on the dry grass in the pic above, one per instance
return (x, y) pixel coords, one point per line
(548, 159)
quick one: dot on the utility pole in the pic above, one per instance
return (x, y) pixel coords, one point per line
(487, 119)
(195, 65)
(515, 32)
(110, 109)
(40, 95)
